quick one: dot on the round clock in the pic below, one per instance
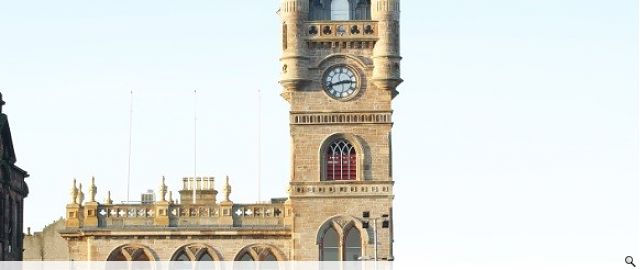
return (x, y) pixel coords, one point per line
(340, 82)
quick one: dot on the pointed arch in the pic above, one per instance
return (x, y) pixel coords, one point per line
(132, 252)
(260, 252)
(196, 252)
(351, 238)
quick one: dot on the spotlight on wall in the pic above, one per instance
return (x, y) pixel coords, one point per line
(365, 224)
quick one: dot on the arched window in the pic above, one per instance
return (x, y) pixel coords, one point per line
(131, 253)
(259, 253)
(353, 245)
(340, 242)
(340, 10)
(341, 161)
(330, 246)
(196, 252)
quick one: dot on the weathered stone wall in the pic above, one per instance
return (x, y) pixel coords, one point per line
(47, 245)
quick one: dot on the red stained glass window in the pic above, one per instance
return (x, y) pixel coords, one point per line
(341, 161)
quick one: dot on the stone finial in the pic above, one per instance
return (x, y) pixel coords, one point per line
(93, 190)
(74, 193)
(226, 189)
(108, 200)
(80, 194)
(163, 191)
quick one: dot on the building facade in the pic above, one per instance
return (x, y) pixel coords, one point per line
(13, 190)
(340, 68)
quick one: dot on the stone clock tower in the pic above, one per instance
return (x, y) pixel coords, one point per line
(340, 69)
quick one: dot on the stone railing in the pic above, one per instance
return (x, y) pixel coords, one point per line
(342, 30)
(340, 118)
(192, 215)
(125, 214)
(341, 188)
(258, 214)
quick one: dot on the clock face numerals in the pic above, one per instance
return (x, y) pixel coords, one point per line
(340, 82)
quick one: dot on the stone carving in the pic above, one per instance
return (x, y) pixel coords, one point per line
(313, 30)
(163, 191)
(80, 197)
(108, 200)
(93, 190)
(327, 30)
(74, 193)
(226, 190)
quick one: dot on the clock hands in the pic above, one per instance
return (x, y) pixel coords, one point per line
(340, 82)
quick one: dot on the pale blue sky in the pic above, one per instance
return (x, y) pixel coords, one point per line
(516, 134)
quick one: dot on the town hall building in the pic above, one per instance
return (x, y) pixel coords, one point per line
(340, 68)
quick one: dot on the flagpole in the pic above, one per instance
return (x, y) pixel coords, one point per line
(130, 136)
(259, 144)
(195, 144)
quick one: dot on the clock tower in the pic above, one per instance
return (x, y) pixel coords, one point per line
(340, 68)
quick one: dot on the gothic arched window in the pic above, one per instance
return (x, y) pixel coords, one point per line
(131, 253)
(340, 10)
(343, 244)
(259, 253)
(196, 252)
(330, 246)
(341, 161)
(353, 245)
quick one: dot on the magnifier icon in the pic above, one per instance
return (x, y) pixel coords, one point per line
(629, 260)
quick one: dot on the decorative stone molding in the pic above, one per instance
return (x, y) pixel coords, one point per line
(352, 30)
(341, 188)
(340, 118)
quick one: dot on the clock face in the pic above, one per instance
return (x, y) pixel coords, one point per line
(340, 82)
